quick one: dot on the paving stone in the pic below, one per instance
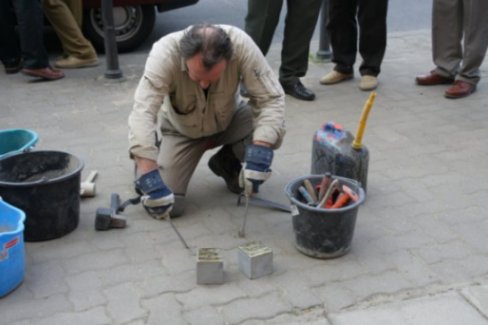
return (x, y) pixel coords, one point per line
(264, 307)
(95, 261)
(46, 279)
(164, 309)
(131, 273)
(478, 297)
(85, 290)
(33, 309)
(313, 316)
(204, 315)
(210, 295)
(123, 303)
(93, 316)
(448, 309)
(159, 284)
(335, 296)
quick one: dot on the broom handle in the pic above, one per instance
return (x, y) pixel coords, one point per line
(357, 143)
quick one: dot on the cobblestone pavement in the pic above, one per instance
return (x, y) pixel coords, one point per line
(419, 253)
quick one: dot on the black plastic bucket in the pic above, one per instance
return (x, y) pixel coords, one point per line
(46, 186)
(323, 233)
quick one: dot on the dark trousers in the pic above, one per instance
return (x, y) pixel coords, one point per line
(261, 21)
(30, 32)
(345, 17)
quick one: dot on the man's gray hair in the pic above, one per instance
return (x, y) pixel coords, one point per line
(211, 41)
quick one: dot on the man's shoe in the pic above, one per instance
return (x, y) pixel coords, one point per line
(368, 83)
(46, 73)
(298, 91)
(14, 67)
(72, 62)
(460, 89)
(335, 77)
(226, 165)
(433, 79)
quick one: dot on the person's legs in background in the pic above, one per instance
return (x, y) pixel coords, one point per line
(78, 51)
(300, 22)
(31, 28)
(475, 26)
(343, 32)
(446, 43)
(9, 41)
(475, 29)
(372, 40)
(260, 24)
(447, 33)
(261, 21)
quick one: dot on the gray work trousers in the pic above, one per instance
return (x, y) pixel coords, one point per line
(459, 38)
(179, 155)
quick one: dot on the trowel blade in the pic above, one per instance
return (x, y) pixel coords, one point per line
(263, 203)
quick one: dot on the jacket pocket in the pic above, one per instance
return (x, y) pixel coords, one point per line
(224, 106)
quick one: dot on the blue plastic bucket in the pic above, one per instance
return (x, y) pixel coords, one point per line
(11, 247)
(14, 141)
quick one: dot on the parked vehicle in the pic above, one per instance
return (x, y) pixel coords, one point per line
(133, 20)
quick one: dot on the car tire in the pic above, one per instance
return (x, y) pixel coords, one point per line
(133, 24)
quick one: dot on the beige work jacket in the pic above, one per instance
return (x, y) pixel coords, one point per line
(166, 86)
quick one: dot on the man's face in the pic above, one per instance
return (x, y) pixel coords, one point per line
(200, 74)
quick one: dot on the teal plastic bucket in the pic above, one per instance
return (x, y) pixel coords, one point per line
(14, 141)
(11, 247)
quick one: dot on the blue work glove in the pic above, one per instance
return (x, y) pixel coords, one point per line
(158, 199)
(256, 168)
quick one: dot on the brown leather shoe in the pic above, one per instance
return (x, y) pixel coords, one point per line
(433, 79)
(46, 73)
(460, 89)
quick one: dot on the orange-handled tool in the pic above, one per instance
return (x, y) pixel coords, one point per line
(341, 201)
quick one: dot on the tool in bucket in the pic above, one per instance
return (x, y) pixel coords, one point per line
(110, 218)
(331, 192)
(336, 151)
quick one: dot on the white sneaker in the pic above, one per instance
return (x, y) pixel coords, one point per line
(368, 83)
(334, 77)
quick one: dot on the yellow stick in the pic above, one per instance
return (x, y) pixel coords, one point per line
(357, 143)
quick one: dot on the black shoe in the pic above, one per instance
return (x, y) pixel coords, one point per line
(226, 165)
(298, 91)
(13, 66)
